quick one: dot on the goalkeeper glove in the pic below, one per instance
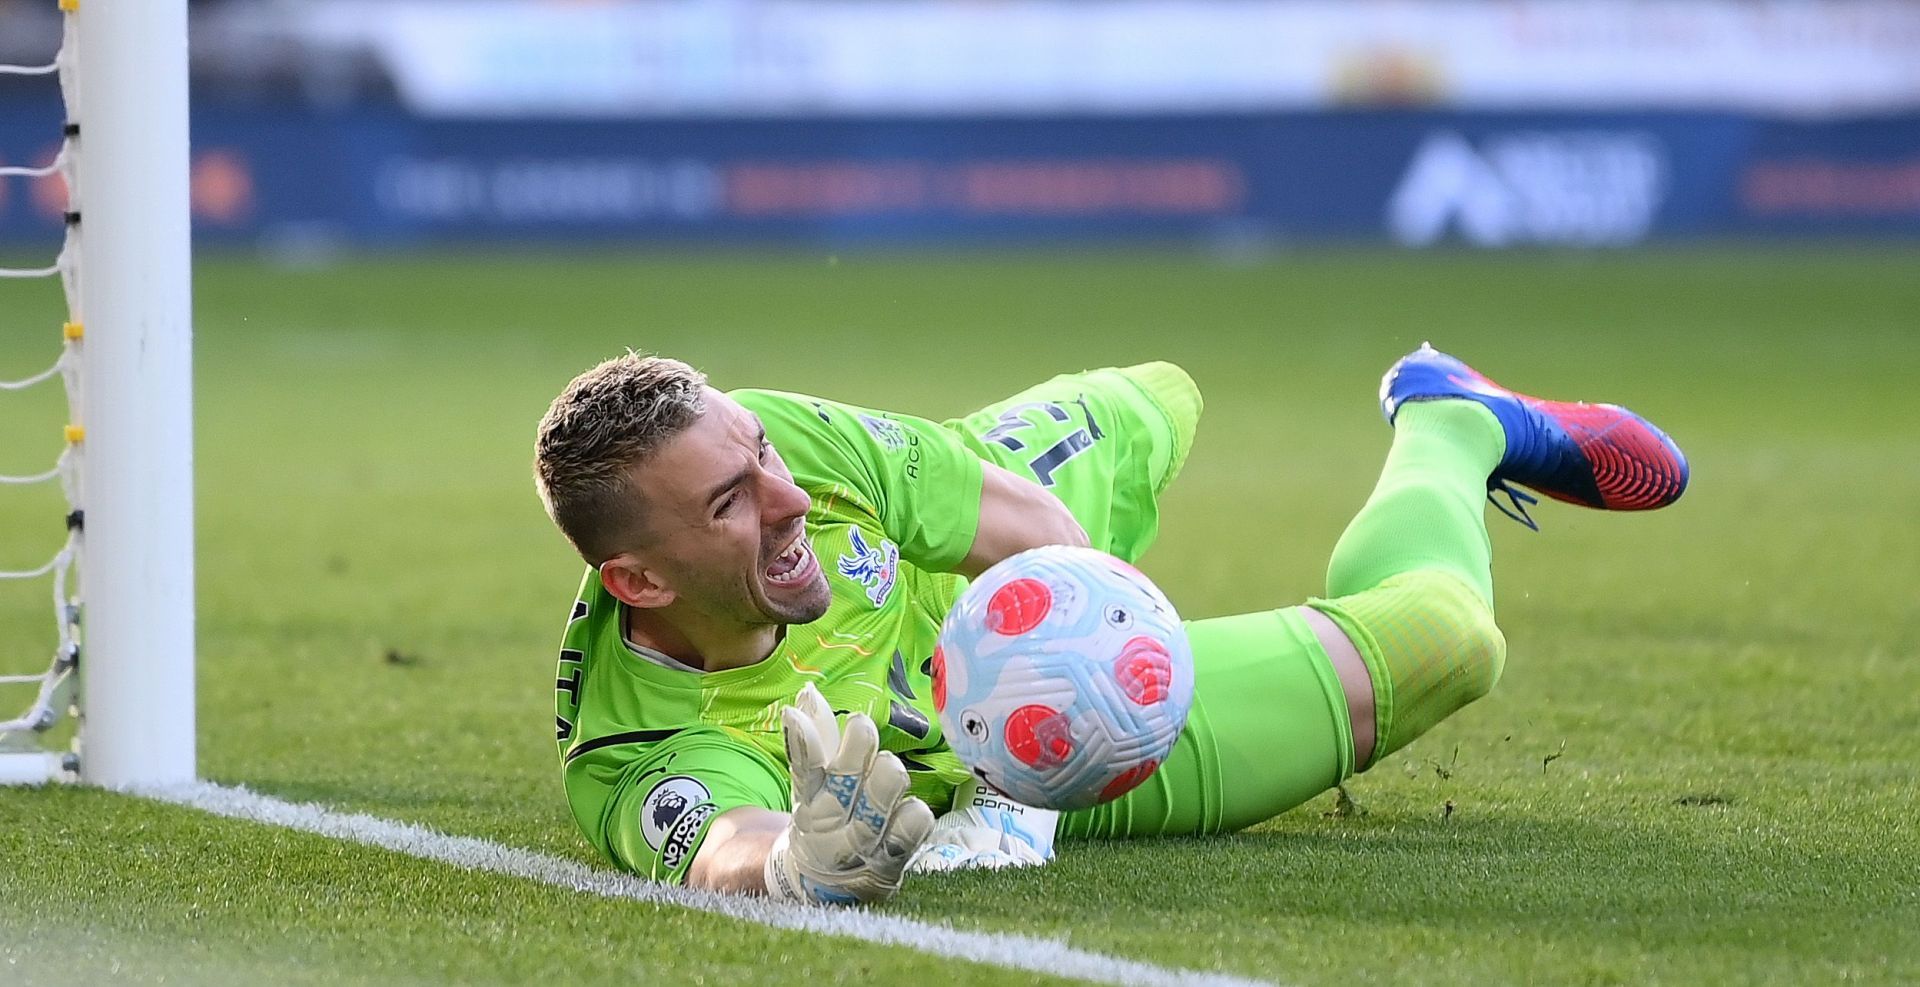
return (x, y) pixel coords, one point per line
(987, 829)
(854, 826)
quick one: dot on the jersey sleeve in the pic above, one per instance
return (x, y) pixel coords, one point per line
(665, 791)
(913, 476)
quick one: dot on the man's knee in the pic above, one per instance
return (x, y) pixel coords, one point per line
(1480, 647)
(1434, 641)
(1172, 392)
(1467, 646)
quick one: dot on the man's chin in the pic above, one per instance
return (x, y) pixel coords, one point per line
(801, 605)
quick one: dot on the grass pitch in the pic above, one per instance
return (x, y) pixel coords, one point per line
(1698, 768)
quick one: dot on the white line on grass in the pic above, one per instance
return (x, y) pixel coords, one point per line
(991, 948)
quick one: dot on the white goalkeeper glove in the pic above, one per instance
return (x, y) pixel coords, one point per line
(987, 829)
(854, 825)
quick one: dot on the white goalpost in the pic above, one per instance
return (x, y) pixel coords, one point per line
(125, 641)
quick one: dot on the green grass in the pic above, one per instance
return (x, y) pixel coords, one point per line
(1698, 768)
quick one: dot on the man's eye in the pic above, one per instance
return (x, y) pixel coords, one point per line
(765, 449)
(726, 506)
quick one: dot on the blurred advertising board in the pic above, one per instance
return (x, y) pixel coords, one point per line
(542, 58)
(1416, 178)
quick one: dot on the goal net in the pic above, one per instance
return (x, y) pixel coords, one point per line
(113, 705)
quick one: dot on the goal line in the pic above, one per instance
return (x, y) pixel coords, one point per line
(1010, 951)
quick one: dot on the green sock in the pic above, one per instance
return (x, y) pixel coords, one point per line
(1411, 579)
(1429, 509)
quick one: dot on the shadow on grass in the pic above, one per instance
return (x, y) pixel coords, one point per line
(1673, 887)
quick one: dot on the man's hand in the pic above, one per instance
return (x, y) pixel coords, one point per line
(987, 829)
(854, 826)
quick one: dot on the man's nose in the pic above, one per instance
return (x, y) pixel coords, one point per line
(783, 498)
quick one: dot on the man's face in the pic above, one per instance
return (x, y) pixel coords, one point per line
(725, 523)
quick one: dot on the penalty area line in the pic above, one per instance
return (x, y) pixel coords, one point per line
(1007, 950)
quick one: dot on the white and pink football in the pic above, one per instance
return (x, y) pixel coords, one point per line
(1063, 677)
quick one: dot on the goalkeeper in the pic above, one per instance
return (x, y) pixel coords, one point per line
(744, 693)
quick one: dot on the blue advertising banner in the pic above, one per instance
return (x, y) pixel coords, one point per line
(1414, 178)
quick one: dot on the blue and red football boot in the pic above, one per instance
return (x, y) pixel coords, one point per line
(1595, 455)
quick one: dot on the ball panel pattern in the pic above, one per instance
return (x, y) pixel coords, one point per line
(1039, 736)
(1063, 677)
(1018, 607)
(939, 679)
(1144, 670)
(1128, 780)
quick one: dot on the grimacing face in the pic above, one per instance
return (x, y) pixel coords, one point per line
(725, 523)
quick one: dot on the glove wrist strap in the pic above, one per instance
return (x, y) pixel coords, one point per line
(782, 883)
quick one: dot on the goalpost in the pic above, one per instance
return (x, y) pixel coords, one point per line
(123, 661)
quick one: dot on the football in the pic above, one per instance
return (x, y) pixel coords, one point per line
(1062, 677)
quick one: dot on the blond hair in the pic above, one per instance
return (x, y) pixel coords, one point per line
(608, 421)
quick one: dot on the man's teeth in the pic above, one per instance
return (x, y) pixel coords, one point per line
(790, 564)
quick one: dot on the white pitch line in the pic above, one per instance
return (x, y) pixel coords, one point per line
(1017, 952)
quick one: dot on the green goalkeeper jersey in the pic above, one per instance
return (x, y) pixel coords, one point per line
(653, 751)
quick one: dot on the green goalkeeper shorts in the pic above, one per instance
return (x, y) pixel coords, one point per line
(1106, 442)
(1269, 728)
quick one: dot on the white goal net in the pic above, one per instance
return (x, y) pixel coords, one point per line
(125, 468)
(23, 755)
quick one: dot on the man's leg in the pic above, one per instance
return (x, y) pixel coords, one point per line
(1106, 442)
(1410, 585)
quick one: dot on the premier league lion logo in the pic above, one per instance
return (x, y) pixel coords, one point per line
(666, 806)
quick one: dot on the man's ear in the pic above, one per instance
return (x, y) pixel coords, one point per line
(634, 583)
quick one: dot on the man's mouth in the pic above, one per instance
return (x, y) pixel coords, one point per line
(794, 565)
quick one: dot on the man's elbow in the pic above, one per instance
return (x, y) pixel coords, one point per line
(1017, 514)
(1048, 521)
(1069, 532)
(1044, 520)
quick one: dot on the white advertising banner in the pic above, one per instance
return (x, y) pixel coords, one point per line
(788, 57)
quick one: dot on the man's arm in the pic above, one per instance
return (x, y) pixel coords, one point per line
(1016, 514)
(733, 860)
(947, 507)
